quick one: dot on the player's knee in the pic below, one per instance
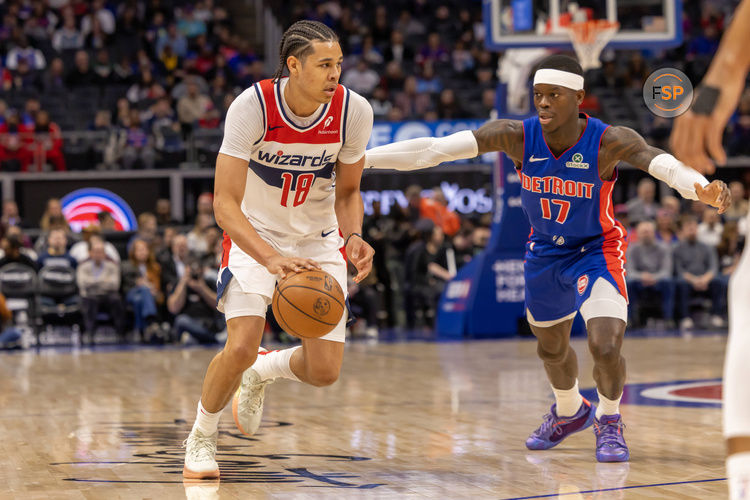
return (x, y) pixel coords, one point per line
(239, 357)
(604, 350)
(323, 376)
(552, 354)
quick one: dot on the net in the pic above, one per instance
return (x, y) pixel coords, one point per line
(589, 39)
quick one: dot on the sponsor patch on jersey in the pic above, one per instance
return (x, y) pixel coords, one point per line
(577, 162)
(583, 283)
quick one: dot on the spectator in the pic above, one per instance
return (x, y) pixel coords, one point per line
(48, 140)
(192, 300)
(147, 230)
(666, 229)
(649, 268)
(24, 78)
(434, 52)
(710, 230)
(104, 17)
(173, 262)
(738, 209)
(410, 101)
(11, 215)
(729, 251)
(12, 245)
(425, 273)
(697, 266)
(141, 280)
(103, 66)
(67, 37)
(97, 39)
(80, 250)
(56, 253)
(107, 223)
(380, 103)
(643, 207)
(174, 39)
(436, 209)
(397, 51)
(98, 281)
(53, 212)
(192, 106)
(196, 238)
(53, 80)
(164, 212)
(429, 83)
(14, 153)
(206, 206)
(24, 52)
(448, 107)
(137, 145)
(361, 79)
(82, 75)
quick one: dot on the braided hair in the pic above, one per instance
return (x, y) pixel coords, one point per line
(297, 41)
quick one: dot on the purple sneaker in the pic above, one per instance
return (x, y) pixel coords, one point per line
(554, 429)
(610, 443)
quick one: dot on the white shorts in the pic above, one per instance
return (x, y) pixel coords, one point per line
(246, 287)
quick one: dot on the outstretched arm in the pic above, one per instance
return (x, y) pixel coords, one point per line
(425, 152)
(625, 144)
(698, 133)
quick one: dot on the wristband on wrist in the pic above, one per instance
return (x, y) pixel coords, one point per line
(346, 242)
(705, 102)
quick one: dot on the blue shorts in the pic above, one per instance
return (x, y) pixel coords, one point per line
(558, 280)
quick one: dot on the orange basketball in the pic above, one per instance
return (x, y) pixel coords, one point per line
(308, 304)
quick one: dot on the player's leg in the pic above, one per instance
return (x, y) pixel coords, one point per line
(604, 309)
(245, 321)
(550, 309)
(736, 375)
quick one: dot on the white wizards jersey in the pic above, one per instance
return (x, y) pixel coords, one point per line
(290, 178)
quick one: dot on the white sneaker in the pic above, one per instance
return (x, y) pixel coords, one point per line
(247, 405)
(717, 321)
(200, 456)
(687, 324)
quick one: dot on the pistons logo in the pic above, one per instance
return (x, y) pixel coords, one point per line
(583, 283)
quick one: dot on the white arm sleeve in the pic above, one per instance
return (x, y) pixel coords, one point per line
(244, 126)
(677, 175)
(358, 128)
(423, 152)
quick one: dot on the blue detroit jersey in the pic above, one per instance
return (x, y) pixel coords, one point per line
(566, 201)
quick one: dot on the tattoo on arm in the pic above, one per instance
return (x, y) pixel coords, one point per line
(501, 135)
(625, 144)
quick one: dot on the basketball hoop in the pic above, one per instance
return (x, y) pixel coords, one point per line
(589, 39)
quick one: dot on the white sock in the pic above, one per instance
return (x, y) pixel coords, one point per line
(568, 401)
(738, 476)
(205, 422)
(273, 364)
(607, 406)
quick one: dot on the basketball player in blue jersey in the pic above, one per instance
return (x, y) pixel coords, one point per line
(696, 137)
(575, 257)
(286, 189)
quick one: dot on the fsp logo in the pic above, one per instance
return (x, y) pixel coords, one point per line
(668, 92)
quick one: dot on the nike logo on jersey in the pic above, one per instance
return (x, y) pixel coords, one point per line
(274, 128)
(324, 234)
(532, 159)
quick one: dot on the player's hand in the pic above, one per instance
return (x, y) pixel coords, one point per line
(696, 139)
(716, 194)
(284, 266)
(360, 254)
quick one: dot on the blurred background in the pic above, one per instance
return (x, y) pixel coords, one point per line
(112, 113)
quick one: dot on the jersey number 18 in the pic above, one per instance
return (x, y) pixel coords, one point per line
(301, 190)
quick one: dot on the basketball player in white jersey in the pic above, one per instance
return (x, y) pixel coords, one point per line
(697, 135)
(287, 180)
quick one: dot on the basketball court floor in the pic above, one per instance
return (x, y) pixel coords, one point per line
(405, 420)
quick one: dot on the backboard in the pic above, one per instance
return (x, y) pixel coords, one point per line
(653, 24)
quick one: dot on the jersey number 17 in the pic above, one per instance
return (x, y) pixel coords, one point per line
(301, 189)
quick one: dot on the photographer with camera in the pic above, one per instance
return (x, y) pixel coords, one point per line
(192, 300)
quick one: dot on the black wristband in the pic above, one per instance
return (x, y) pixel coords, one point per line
(705, 102)
(353, 234)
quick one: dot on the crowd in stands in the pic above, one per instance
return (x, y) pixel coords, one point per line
(678, 263)
(145, 74)
(158, 284)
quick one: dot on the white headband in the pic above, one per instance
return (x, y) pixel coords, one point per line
(558, 77)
